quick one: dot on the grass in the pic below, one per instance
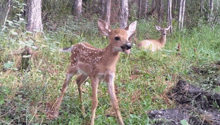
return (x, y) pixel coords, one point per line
(142, 78)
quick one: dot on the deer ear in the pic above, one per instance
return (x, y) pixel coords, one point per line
(131, 28)
(158, 27)
(168, 27)
(127, 28)
(104, 28)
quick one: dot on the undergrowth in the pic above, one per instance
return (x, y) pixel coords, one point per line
(142, 78)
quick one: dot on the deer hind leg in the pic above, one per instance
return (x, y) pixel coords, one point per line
(55, 109)
(111, 89)
(81, 79)
(94, 83)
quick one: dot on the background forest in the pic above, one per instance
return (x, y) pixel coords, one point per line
(32, 70)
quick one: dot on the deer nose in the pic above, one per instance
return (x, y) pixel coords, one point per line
(126, 46)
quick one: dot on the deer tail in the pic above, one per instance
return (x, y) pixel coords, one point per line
(68, 49)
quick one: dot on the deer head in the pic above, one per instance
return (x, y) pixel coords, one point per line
(163, 30)
(118, 37)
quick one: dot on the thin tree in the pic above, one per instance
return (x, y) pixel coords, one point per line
(34, 16)
(174, 7)
(78, 7)
(153, 8)
(181, 13)
(139, 8)
(217, 4)
(160, 10)
(201, 7)
(123, 14)
(145, 7)
(142, 8)
(103, 7)
(108, 12)
(6, 16)
(157, 7)
(210, 18)
(169, 15)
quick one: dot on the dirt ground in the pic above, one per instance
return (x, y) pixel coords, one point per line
(196, 104)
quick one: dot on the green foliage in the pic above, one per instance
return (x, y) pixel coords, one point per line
(15, 18)
(184, 122)
(8, 65)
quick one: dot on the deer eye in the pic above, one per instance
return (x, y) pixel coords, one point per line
(117, 38)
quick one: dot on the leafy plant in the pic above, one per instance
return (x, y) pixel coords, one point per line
(184, 122)
(8, 65)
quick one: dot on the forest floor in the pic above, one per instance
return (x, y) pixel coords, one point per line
(195, 104)
(162, 87)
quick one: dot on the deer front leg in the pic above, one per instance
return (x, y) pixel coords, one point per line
(56, 105)
(111, 89)
(79, 82)
(94, 83)
(54, 111)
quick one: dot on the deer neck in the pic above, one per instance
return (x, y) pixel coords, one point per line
(110, 57)
(162, 39)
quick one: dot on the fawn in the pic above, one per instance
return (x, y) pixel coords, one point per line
(152, 44)
(97, 64)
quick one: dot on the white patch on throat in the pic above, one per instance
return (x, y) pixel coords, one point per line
(111, 82)
(117, 49)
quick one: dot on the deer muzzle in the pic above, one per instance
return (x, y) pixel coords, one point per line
(126, 48)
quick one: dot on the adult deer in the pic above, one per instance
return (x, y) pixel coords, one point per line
(152, 44)
(97, 64)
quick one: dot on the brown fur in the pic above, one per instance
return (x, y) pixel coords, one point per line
(97, 64)
(152, 44)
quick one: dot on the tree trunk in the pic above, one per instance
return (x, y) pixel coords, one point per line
(139, 8)
(181, 13)
(210, 18)
(103, 9)
(106, 11)
(145, 7)
(201, 7)
(142, 8)
(174, 7)
(153, 4)
(217, 5)
(78, 7)
(34, 16)
(160, 10)
(6, 15)
(123, 14)
(169, 15)
(153, 8)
